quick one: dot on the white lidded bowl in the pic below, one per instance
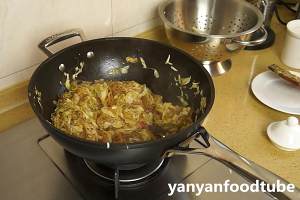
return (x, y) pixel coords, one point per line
(285, 134)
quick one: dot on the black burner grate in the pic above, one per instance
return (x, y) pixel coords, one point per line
(126, 178)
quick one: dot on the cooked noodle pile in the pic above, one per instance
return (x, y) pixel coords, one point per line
(117, 112)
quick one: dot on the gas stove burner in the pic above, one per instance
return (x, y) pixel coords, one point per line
(126, 176)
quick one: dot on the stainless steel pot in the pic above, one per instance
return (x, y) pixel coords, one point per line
(212, 30)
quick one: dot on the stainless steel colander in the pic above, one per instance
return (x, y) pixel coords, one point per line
(212, 30)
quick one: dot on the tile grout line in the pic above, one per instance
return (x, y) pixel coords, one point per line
(11, 107)
(19, 71)
(111, 17)
(112, 30)
(202, 165)
(148, 20)
(188, 175)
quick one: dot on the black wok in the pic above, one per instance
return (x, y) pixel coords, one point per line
(107, 53)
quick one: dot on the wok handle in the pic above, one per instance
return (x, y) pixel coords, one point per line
(53, 39)
(254, 42)
(218, 151)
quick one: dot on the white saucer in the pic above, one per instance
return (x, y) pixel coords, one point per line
(276, 93)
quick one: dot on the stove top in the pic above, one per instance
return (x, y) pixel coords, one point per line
(33, 166)
(91, 186)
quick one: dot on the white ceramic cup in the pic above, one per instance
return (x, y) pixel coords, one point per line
(290, 54)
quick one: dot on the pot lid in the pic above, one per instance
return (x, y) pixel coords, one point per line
(285, 134)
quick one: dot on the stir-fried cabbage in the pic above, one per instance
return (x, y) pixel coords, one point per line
(117, 112)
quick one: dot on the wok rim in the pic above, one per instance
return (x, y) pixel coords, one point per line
(118, 146)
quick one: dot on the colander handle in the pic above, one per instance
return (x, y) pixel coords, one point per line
(254, 42)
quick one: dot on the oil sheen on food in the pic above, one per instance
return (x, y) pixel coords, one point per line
(117, 112)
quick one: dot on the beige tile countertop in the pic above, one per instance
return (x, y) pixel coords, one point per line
(237, 119)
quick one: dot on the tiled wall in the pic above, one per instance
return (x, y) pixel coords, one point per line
(24, 23)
